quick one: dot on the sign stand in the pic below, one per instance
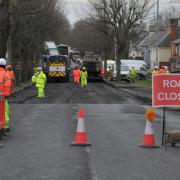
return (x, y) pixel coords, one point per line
(164, 128)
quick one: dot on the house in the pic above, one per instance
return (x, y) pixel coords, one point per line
(135, 52)
(157, 50)
(175, 48)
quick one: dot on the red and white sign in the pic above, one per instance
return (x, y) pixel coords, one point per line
(166, 90)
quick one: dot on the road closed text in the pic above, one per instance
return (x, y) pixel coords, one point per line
(166, 90)
(170, 95)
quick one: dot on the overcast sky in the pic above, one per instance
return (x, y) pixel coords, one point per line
(76, 8)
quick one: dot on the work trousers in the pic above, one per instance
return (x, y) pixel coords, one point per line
(41, 92)
(6, 114)
(83, 82)
(76, 79)
(133, 79)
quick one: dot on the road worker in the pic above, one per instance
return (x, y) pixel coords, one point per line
(76, 74)
(39, 79)
(84, 76)
(166, 70)
(155, 71)
(5, 91)
(110, 73)
(133, 74)
(12, 76)
(162, 70)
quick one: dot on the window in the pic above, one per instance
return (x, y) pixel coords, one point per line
(178, 63)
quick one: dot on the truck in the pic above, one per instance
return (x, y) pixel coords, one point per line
(63, 49)
(94, 68)
(55, 66)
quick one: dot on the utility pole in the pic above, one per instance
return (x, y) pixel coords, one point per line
(157, 34)
(115, 46)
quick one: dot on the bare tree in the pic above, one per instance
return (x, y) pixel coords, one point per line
(24, 26)
(123, 16)
(4, 26)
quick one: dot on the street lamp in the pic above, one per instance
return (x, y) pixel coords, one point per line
(157, 33)
(115, 42)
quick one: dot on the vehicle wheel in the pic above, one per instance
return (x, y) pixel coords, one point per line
(49, 80)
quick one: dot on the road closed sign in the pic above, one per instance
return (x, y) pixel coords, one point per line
(166, 90)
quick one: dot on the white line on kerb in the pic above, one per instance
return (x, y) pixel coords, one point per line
(91, 166)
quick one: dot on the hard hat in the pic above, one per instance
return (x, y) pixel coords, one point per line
(2, 62)
(39, 68)
(155, 67)
(165, 67)
(9, 67)
(84, 68)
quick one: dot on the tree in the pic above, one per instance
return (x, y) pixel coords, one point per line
(24, 26)
(87, 37)
(123, 16)
(4, 26)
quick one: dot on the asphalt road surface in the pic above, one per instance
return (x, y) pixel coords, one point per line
(38, 147)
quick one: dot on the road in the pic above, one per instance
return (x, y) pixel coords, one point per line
(38, 147)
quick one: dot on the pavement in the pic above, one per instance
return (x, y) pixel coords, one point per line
(22, 86)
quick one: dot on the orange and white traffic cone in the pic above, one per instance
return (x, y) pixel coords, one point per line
(81, 137)
(149, 138)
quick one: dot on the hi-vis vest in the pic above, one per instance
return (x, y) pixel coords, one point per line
(155, 72)
(39, 79)
(5, 83)
(84, 75)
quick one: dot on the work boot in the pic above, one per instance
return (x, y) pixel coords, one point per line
(4, 132)
(7, 130)
(1, 136)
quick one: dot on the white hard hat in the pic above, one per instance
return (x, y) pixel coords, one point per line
(165, 67)
(156, 67)
(3, 62)
(83, 68)
(39, 68)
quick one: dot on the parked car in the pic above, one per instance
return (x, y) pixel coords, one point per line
(125, 75)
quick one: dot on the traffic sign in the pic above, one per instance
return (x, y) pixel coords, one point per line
(166, 90)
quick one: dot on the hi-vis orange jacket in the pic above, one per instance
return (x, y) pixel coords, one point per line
(5, 83)
(12, 77)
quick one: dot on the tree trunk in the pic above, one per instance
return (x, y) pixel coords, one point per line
(4, 27)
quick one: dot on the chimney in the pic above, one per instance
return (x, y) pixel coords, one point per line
(173, 25)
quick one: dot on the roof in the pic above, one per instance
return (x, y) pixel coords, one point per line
(177, 41)
(164, 39)
(150, 40)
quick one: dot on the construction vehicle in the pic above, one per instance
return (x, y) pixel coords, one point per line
(94, 68)
(55, 66)
(63, 49)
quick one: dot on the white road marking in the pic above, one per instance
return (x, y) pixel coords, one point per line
(92, 169)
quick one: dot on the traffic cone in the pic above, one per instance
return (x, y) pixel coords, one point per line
(81, 137)
(149, 139)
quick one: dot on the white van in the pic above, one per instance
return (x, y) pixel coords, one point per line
(141, 67)
(124, 70)
(143, 70)
(137, 64)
